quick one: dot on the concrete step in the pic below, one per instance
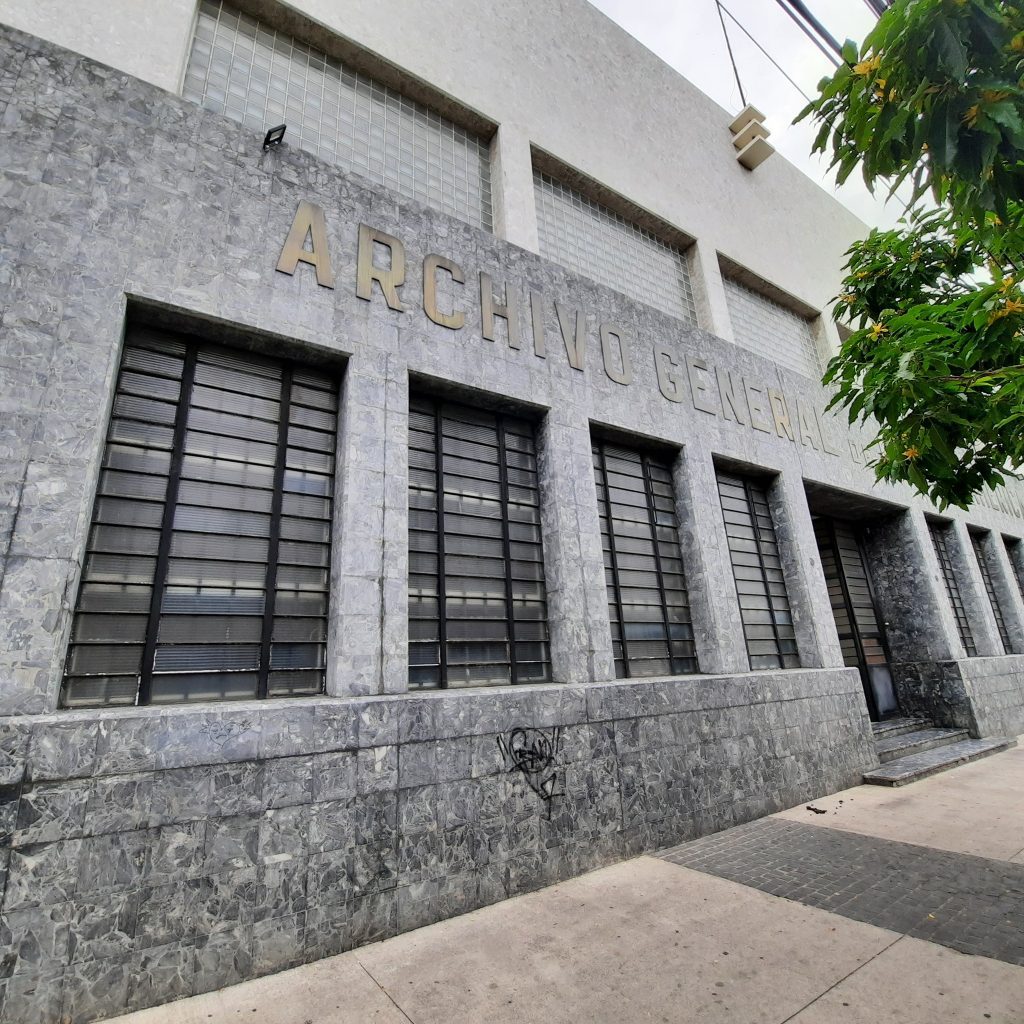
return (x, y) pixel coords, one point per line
(895, 726)
(919, 766)
(891, 747)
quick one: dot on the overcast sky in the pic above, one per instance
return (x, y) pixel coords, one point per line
(688, 35)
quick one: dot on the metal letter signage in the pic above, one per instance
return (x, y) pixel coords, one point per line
(309, 223)
(391, 279)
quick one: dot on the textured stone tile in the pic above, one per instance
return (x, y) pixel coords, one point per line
(334, 776)
(332, 824)
(279, 943)
(103, 927)
(169, 913)
(176, 852)
(160, 974)
(33, 998)
(287, 781)
(35, 940)
(43, 873)
(232, 842)
(377, 769)
(63, 750)
(236, 788)
(222, 958)
(227, 900)
(95, 989)
(282, 834)
(113, 862)
(287, 731)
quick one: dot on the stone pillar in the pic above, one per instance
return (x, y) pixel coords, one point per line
(709, 290)
(717, 626)
(362, 558)
(972, 592)
(512, 198)
(1008, 594)
(581, 643)
(909, 591)
(816, 636)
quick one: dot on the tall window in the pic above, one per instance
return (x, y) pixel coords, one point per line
(757, 570)
(242, 68)
(594, 241)
(978, 542)
(647, 600)
(940, 538)
(771, 330)
(206, 574)
(477, 604)
(1014, 552)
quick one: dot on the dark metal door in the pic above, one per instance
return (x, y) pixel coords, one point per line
(861, 635)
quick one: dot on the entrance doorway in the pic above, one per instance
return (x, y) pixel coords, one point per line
(861, 634)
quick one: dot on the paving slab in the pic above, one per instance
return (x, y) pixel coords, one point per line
(974, 809)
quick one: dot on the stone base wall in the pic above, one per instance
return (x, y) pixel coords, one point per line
(155, 853)
(983, 695)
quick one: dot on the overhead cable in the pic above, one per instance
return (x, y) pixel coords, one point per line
(807, 32)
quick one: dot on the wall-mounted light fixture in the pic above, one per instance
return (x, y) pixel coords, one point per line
(274, 136)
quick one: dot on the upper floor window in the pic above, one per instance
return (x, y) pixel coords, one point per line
(648, 603)
(757, 570)
(940, 539)
(598, 243)
(771, 330)
(477, 603)
(241, 67)
(207, 567)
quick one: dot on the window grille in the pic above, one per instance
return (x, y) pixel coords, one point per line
(978, 542)
(771, 330)
(648, 604)
(477, 603)
(242, 68)
(1013, 551)
(206, 573)
(940, 538)
(594, 241)
(757, 571)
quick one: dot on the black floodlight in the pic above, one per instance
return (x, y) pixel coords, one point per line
(274, 136)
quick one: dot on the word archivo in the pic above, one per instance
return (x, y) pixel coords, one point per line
(710, 389)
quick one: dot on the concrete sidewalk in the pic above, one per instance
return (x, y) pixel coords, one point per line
(650, 940)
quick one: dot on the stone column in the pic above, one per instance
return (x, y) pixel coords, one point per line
(362, 557)
(709, 290)
(1008, 594)
(910, 592)
(717, 626)
(815, 626)
(972, 592)
(513, 203)
(581, 643)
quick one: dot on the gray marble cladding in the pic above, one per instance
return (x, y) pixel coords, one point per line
(176, 853)
(149, 853)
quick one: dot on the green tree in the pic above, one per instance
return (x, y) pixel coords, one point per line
(935, 98)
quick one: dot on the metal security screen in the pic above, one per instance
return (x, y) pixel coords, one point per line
(244, 69)
(648, 604)
(1013, 551)
(940, 540)
(771, 330)
(978, 542)
(477, 605)
(861, 635)
(596, 242)
(206, 574)
(757, 570)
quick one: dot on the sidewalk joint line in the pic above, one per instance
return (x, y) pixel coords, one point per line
(386, 992)
(842, 979)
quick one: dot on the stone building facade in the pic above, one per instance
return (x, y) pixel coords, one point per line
(261, 335)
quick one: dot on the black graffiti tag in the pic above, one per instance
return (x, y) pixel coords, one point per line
(534, 752)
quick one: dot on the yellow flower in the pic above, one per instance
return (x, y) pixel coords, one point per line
(1008, 283)
(877, 330)
(861, 274)
(1008, 308)
(971, 117)
(866, 68)
(994, 95)
(912, 452)
(1017, 43)
(849, 298)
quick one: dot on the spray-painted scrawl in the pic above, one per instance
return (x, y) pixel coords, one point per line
(534, 752)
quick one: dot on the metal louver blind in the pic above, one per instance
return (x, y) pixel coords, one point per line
(849, 588)
(477, 603)
(939, 539)
(206, 574)
(979, 552)
(648, 604)
(757, 570)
